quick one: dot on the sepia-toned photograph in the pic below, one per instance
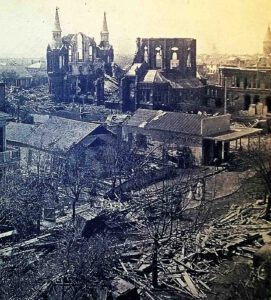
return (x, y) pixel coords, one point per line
(135, 150)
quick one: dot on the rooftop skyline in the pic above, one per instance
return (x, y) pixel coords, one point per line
(229, 26)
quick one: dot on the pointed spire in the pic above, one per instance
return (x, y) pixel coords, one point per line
(56, 34)
(57, 23)
(267, 37)
(105, 33)
(105, 28)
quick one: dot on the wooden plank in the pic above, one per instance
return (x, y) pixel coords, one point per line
(190, 285)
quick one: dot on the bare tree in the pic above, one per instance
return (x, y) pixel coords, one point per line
(76, 177)
(258, 159)
(161, 207)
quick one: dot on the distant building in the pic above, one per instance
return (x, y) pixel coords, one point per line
(38, 72)
(163, 75)
(9, 156)
(202, 137)
(15, 76)
(248, 83)
(246, 86)
(76, 64)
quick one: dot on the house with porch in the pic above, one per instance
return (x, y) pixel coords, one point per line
(202, 137)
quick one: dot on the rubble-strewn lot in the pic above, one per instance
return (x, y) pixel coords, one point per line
(38, 101)
(189, 262)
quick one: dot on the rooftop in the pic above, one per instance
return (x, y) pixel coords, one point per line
(54, 134)
(60, 133)
(4, 116)
(19, 132)
(234, 134)
(167, 121)
(154, 76)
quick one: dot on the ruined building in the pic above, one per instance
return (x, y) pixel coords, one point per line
(76, 64)
(249, 88)
(163, 75)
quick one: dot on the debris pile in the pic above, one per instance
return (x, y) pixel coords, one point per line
(186, 262)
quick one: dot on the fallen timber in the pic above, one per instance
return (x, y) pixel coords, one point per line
(185, 261)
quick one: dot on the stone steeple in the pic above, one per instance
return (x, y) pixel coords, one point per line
(105, 32)
(57, 23)
(56, 43)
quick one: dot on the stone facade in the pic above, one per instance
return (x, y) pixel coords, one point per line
(76, 64)
(163, 76)
(246, 86)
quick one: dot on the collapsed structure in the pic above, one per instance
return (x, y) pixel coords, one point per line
(163, 75)
(76, 64)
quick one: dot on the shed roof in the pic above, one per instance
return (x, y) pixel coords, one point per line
(54, 134)
(61, 134)
(19, 132)
(185, 83)
(234, 134)
(154, 76)
(167, 121)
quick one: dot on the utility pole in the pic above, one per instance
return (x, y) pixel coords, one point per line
(225, 96)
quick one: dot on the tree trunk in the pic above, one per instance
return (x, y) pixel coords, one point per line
(73, 210)
(38, 226)
(268, 208)
(155, 263)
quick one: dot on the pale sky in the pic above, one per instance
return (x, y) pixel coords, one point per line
(233, 26)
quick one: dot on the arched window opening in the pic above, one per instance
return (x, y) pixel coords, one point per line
(158, 57)
(90, 53)
(146, 54)
(132, 91)
(188, 62)
(174, 62)
(70, 53)
(247, 101)
(61, 62)
(268, 103)
(256, 99)
(80, 48)
(245, 83)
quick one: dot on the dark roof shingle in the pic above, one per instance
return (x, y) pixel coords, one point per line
(166, 121)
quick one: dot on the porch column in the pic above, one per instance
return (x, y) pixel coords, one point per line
(223, 150)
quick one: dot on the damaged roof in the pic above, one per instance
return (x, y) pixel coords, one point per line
(166, 121)
(61, 134)
(185, 83)
(154, 76)
(133, 69)
(19, 132)
(54, 134)
(110, 84)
